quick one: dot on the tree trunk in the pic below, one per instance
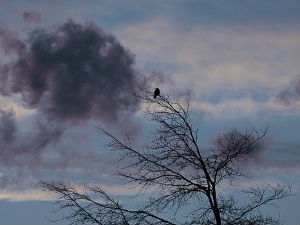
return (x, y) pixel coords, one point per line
(216, 207)
(217, 216)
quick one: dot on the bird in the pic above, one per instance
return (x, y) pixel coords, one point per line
(156, 92)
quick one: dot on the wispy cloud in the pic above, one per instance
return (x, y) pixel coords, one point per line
(216, 59)
(26, 195)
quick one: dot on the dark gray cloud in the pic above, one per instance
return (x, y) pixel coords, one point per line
(7, 127)
(31, 17)
(24, 149)
(73, 72)
(69, 73)
(9, 43)
(290, 94)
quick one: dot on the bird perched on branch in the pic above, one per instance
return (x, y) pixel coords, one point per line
(156, 92)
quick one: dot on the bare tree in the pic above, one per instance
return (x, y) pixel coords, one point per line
(190, 181)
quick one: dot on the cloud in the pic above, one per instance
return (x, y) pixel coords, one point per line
(73, 72)
(291, 94)
(26, 195)
(66, 75)
(7, 127)
(237, 108)
(230, 108)
(18, 109)
(9, 42)
(31, 17)
(36, 194)
(234, 71)
(215, 59)
(23, 149)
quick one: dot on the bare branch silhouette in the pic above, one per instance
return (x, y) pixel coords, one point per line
(185, 177)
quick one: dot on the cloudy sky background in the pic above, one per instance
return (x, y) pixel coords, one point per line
(237, 61)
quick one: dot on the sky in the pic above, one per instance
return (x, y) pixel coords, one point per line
(237, 62)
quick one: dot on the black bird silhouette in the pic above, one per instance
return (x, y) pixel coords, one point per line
(156, 92)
